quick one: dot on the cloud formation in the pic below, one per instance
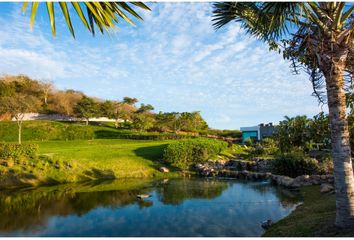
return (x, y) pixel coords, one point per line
(173, 60)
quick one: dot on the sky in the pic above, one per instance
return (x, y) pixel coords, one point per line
(174, 60)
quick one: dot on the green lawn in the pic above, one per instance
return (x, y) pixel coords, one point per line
(80, 160)
(314, 218)
(125, 158)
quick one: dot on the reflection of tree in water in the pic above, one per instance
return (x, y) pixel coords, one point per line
(286, 197)
(176, 191)
(24, 210)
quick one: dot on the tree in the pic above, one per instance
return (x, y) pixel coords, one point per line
(17, 105)
(145, 108)
(319, 38)
(130, 101)
(86, 108)
(113, 109)
(65, 101)
(46, 87)
(192, 122)
(143, 121)
(103, 15)
(167, 122)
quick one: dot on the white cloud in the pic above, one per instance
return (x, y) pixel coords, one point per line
(174, 60)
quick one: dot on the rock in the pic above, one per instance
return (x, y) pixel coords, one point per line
(324, 188)
(199, 166)
(323, 177)
(267, 224)
(285, 181)
(164, 169)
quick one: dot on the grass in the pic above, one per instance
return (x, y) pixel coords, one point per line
(125, 158)
(314, 218)
(54, 130)
(80, 160)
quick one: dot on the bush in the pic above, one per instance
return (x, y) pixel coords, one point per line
(16, 151)
(184, 153)
(248, 142)
(74, 132)
(294, 164)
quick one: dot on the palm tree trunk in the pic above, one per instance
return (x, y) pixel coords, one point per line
(333, 69)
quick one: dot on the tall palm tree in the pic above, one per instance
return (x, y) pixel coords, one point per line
(103, 15)
(319, 37)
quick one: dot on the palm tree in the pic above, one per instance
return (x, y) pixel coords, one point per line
(319, 37)
(103, 15)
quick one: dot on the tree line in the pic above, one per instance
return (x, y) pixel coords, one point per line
(21, 94)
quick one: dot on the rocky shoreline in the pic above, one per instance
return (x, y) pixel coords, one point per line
(260, 171)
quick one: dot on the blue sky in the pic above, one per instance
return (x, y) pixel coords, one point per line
(173, 60)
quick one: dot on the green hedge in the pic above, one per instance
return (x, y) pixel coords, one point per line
(15, 151)
(184, 153)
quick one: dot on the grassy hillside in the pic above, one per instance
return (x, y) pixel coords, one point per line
(53, 130)
(82, 160)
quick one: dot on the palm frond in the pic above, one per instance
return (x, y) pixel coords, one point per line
(264, 20)
(103, 15)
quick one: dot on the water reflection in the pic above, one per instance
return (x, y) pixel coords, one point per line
(179, 207)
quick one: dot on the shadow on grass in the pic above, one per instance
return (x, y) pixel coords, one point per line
(155, 154)
(95, 173)
(106, 134)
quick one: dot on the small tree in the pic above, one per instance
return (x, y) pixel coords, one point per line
(17, 106)
(130, 101)
(46, 87)
(86, 108)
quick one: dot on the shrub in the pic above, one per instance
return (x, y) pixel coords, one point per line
(16, 151)
(73, 132)
(248, 142)
(294, 164)
(184, 153)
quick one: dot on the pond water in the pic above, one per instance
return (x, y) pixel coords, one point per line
(176, 207)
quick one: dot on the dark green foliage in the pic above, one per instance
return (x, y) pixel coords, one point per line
(266, 147)
(184, 153)
(86, 108)
(73, 132)
(15, 151)
(248, 142)
(104, 134)
(294, 164)
(303, 132)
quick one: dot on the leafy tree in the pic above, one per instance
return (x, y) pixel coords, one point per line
(86, 108)
(17, 106)
(192, 122)
(319, 38)
(130, 101)
(116, 110)
(101, 15)
(143, 121)
(145, 108)
(319, 130)
(167, 122)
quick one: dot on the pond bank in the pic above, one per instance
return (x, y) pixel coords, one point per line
(314, 218)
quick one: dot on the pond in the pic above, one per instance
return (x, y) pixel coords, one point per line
(175, 207)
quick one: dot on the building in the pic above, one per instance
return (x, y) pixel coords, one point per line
(257, 133)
